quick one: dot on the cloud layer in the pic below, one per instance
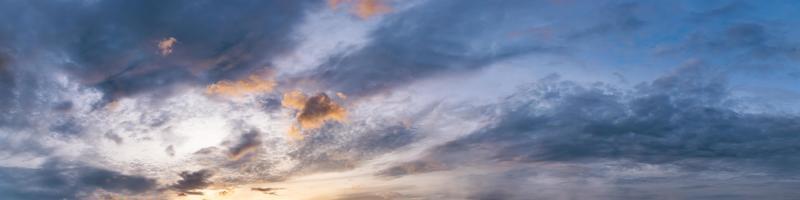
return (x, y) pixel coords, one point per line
(390, 99)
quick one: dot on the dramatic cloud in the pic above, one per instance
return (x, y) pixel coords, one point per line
(312, 112)
(110, 44)
(424, 41)
(59, 180)
(389, 99)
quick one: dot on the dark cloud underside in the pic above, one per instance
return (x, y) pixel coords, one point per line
(58, 180)
(113, 43)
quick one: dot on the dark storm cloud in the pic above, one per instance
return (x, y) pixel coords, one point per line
(685, 118)
(58, 180)
(433, 38)
(247, 143)
(192, 181)
(112, 44)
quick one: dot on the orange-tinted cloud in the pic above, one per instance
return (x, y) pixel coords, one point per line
(312, 112)
(252, 85)
(318, 109)
(165, 45)
(369, 8)
(294, 100)
(363, 8)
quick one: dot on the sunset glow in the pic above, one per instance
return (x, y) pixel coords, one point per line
(399, 100)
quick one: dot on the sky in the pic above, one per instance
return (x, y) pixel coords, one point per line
(399, 99)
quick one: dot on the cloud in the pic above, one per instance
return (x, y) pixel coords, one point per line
(170, 150)
(686, 118)
(333, 151)
(318, 109)
(60, 180)
(751, 46)
(165, 45)
(312, 112)
(622, 18)
(270, 191)
(364, 9)
(433, 38)
(294, 100)
(191, 181)
(248, 143)
(113, 137)
(254, 84)
(414, 167)
(109, 44)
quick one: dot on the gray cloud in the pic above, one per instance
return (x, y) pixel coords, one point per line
(414, 167)
(681, 116)
(685, 119)
(112, 44)
(191, 181)
(59, 180)
(266, 190)
(113, 137)
(434, 38)
(329, 151)
(621, 19)
(247, 143)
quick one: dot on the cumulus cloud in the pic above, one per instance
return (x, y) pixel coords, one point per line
(312, 112)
